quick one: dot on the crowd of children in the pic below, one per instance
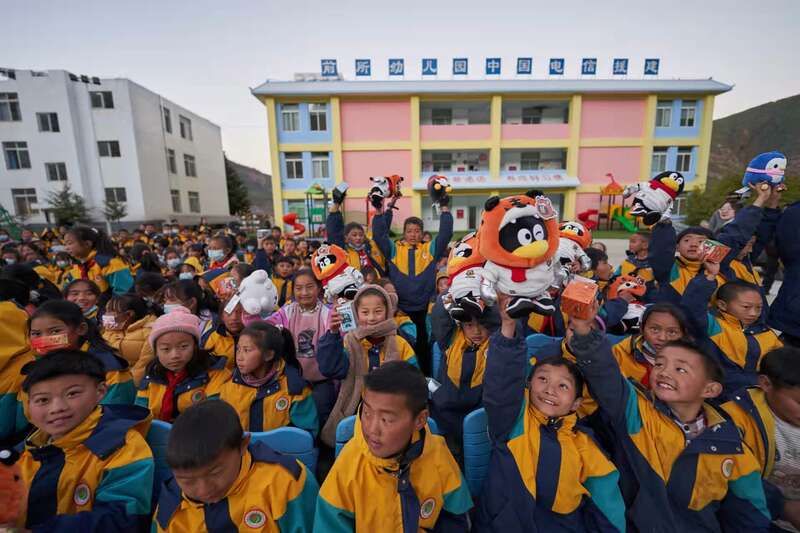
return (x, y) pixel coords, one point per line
(669, 404)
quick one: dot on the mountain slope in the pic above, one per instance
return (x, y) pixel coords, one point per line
(259, 189)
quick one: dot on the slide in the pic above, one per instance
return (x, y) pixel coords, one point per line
(625, 222)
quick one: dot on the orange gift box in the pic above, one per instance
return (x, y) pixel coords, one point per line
(578, 298)
(714, 252)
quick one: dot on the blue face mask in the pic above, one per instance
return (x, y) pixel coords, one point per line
(216, 255)
(173, 263)
(185, 275)
(168, 308)
(250, 248)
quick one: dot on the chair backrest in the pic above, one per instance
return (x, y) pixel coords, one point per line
(614, 339)
(290, 441)
(537, 341)
(436, 363)
(477, 450)
(345, 429)
(157, 438)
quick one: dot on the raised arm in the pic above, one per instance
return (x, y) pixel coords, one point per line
(442, 326)
(380, 234)
(696, 297)
(334, 226)
(445, 234)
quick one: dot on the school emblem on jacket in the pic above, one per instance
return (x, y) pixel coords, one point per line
(281, 404)
(198, 396)
(427, 507)
(727, 468)
(255, 519)
(82, 494)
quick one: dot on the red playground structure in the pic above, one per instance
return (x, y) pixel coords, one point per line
(610, 210)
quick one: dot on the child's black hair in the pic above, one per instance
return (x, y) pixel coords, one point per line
(92, 286)
(200, 362)
(572, 368)
(186, 289)
(268, 337)
(712, 366)
(399, 377)
(243, 269)
(670, 309)
(226, 242)
(269, 238)
(372, 291)
(62, 363)
(201, 433)
(283, 259)
(97, 238)
(596, 256)
(782, 367)
(351, 226)
(732, 289)
(128, 302)
(71, 315)
(416, 221)
(306, 272)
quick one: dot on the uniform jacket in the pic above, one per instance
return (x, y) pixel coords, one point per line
(334, 227)
(15, 352)
(132, 344)
(109, 273)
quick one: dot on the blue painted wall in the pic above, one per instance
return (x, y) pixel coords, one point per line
(308, 173)
(675, 130)
(304, 134)
(672, 162)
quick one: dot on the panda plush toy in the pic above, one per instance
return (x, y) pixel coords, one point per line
(653, 200)
(469, 291)
(635, 288)
(340, 280)
(574, 239)
(518, 236)
(384, 187)
(439, 189)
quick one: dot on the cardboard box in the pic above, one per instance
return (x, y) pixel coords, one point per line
(578, 298)
(714, 252)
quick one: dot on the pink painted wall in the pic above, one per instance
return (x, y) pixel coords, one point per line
(461, 132)
(612, 118)
(355, 211)
(359, 166)
(535, 131)
(585, 201)
(595, 163)
(376, 121)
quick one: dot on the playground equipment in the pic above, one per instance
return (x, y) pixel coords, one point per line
(8, 222)
(611, 209)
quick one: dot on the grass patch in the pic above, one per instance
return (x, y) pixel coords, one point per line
(611, 234)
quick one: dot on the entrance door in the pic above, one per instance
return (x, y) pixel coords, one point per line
(472, 217)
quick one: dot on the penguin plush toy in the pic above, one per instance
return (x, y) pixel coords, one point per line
(329, 264)
(439, 190)
(768, 168)
(574, 238)
(383, 187)
(518, 236)
(652, 201)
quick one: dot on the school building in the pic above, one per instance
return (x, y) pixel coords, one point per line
(487, 136)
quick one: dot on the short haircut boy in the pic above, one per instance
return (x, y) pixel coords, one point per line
(712, 367)
(201, 433)
(352, 226)
(732, 289)
(413, 221)
(557, 360)
(401, 378)
(283, 259)
(62, 363)
(781, 367)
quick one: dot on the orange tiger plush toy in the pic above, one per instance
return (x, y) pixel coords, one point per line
(13, 495)
(635, 288)
(519, 236)
(329, 264)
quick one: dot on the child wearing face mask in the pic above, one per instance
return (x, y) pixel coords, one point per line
(221, 341)
(85, 294)
(172, 262)
(363, 349)
(221, 253)
(182, 374)
(59, 324)
(267, 388)
(126, 324)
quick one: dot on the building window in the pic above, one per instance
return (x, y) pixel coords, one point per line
(441, 116)
(186, 128)
(318, 114)
(17, 155)
(532, 115)
(9, 107)
(188, 166)
(194, 202)
(116, 194)
(659, 161)
(108, 148)
(290, 117)
(176, 200)
(48, 122)
(442, 161)
(684, 161)
(24, 200)
(56, 171)
(320, 164)
(298, 207)
(101, 99)
(167, 119)
(172, 166)
(664, 114)
(529, 160)
(679, 207)
(294, 165)
(688, 110)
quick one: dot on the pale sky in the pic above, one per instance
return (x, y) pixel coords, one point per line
(205, 55)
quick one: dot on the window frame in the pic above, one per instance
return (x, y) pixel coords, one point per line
(48, 122)
(324, 160)
(166, 116)
(110, 152)
(318, 111)
(172, 161)
(10, 101)
(60, 170)
(189, 163)
(664, 109)
(113, 195)
(690, 111)
(22, 154)
(532, 118)
(441, 120)
(185, 124)
(660, 152)
(106, 99)
(688, 156)
(291, 112)
(194, 196)
(296, 159)
(27, 195)
(175, 196)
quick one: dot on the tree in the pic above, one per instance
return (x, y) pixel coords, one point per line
(238, 200)
(114, 211)
(700, 205)
(68, 207)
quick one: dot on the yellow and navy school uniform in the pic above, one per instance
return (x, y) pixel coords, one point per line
(15, 352)
(190, 391)
(119, 380)
(633, 266)
(611, 311)
(630, 356)
(47, 271)
(406, 327)
(412, 269)
(422, 489)
(109, 273)
(97, 477)
(334, 360)
(711, 482)
(285, 400)
(543, 471)
(672, 273)
(750, 412)
(219, 342)
(738, 348)
(284, 287)
(272, 493)
(369, 255)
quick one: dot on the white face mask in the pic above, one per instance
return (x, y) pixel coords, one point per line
(216, 255)
(185, 275)
(3, 237)
(62, 264)
(173, 263)
(10, 261)
(168, 308)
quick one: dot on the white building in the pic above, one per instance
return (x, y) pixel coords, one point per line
(108, 139)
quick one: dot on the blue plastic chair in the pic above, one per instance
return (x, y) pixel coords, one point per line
(477, 450)
(436, 362)
(157, 438)
(537, 341)
(290, 441)
(345, 428)
(614, 339)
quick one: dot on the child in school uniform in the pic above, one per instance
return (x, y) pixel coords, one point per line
(87, 466)
(734, 332)
(394, 474)
(769, 418)
(221, 340)
(86, 294)
(267, 388)
(545, 472)
(182, 374)
(350, 357)
(224, 482)
(127, 323)
(59, 324)
(15, 353)
(405, 326)
(96, 259)
(682, 463)
(282, 276)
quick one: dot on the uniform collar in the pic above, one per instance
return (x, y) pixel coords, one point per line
(390, 464)
(237, 486)
(78, 435)
(691, 266)
(561, 423)
(756, 327)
